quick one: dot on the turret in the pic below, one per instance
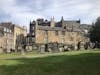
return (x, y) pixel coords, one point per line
(62, 21)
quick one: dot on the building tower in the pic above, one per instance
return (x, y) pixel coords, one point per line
(32, 28)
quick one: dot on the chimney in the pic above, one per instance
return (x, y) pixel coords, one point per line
(52, 24)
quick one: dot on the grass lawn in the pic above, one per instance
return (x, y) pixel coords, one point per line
(68, 63)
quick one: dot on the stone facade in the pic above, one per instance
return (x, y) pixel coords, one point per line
(12, 35)
(19, 35)
(6, 39)
(67, 32)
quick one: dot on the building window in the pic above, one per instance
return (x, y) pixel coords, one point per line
(63, 32)
(33, 40)
(4, 29)
(56, 33)
(7, 30)
(5, 34)
(10, 31)
(33, 27)
(33, 34)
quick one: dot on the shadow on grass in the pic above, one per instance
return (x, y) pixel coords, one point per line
(81, 64)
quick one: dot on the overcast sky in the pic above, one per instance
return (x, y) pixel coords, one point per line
(22, 11)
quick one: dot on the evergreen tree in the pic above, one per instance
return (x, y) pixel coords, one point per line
(95, 31)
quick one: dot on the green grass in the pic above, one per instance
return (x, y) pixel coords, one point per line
(16, 55)
(68, 63)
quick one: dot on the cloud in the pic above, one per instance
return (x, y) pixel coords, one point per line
(10, 11)
(22, 11)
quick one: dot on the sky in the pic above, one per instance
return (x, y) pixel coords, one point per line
(21, 12)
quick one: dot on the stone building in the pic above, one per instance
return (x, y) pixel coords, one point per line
(67, 32)
(18, 33)
(6, 39)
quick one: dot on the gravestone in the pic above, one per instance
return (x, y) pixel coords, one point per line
(42, 48)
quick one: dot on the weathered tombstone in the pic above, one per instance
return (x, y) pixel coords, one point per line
(22, 52)
(65, 48)
(55, 47)
(42, 49)
(50, 47)
(72, 47)
(61, 49)
(75, 47)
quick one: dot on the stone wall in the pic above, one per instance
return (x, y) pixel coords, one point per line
(43, 36)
